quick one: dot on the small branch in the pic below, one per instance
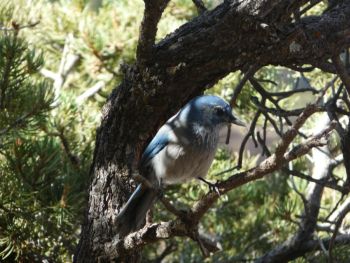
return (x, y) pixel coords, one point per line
(60, 134)
(63, 71)
(276, 112)
(200, 6)
(167, 251)
(336, 161)
(325, 66)
(23, 119)
(48, 73)
(343, 74)
(344, 134)
(246, 138)
(315, 141)
(67, 63)
(335, 211)
(273, 123)
(171, 208)
(152, 14)
(16, 123)
(250, 73)
(301, 195)
(288, 137)
(266, 95)
(323, 248)
(90, 92)
(336, 214)
(262, 142)
(73, 158)
(321, 182)
(210, 242)
(285, 94)
(301, 69)
(149, 234)
(345, 210)
(17, 27)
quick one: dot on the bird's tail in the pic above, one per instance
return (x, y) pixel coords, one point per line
(134, 212)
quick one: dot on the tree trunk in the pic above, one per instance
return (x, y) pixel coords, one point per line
(131, 115)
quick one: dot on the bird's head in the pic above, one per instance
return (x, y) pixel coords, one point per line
(210, 111)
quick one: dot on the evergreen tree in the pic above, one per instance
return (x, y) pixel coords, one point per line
(41, 179)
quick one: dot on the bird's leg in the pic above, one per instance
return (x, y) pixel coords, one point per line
(160, 189)
(228, 134)
(212, 186)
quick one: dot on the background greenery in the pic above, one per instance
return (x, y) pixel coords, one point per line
(47, 134)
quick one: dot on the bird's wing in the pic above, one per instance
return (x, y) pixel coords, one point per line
(155, 146)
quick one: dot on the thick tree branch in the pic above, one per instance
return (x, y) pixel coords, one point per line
(301, 43)
(309, 246)
(152, 14)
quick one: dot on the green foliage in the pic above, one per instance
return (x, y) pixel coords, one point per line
(43, 159)
(24, 100)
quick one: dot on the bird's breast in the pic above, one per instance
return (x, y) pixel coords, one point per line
(183, 160)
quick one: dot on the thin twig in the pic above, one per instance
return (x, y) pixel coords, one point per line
(246, 138)
(251, 71)
(321, 182)
(342, 72)
(340, 219)
(17, 27)
(90, 92)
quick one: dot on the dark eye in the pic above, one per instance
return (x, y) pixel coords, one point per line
(219, 111)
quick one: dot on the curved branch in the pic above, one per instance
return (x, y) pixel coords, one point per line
(305, 247)
(152, 14)
(206, 53)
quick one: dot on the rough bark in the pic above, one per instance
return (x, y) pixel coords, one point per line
(234, 36)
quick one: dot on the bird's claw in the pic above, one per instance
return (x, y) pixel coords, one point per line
(214, 188)
(160, 192)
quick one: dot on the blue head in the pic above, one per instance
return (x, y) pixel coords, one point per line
(209, 111)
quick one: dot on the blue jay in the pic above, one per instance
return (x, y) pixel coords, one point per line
(183, 149)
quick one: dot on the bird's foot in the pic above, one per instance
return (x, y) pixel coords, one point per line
(213, 187)
(160, 192)
(160, 189)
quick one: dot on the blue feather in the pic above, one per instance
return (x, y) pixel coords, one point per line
(155, 146)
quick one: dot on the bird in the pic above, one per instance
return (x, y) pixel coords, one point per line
(182, 149)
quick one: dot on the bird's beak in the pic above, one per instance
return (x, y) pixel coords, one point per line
(235, 120)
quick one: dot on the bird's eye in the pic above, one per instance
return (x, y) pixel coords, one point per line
(219, 111)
